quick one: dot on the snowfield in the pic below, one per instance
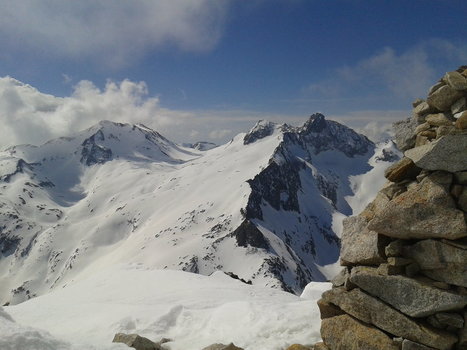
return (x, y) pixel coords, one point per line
(118, 229)
(266, 206)
(192, 310)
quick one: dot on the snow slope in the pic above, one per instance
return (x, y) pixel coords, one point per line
(192, 310)
(266, 206)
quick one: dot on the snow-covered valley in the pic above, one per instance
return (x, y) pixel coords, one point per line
(94, 227)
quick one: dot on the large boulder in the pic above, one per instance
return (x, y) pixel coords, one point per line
(404, 131)
(425, 210)
(346, 333)
(407, 295)
(402, 170)
(136, 341)
(446, 153)
(440, 261)
(438, 119)
(360, 245)
(443, 98)
(373, 311)
(456, 80)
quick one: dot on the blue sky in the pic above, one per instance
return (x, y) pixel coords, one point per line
(214, 66)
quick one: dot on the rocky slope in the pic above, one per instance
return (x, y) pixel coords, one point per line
(262, 207)
(404, 285)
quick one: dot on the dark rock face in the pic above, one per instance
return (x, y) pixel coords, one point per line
(248, 234)
(8, 245)
(271, 185)
(324, 135)
(93, 153)
(21, 166)
(289, 175)
(261, 130)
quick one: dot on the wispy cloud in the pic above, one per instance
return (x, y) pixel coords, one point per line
(406, 74)
(113, 31)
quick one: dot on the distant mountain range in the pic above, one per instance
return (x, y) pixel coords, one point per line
(265, 207)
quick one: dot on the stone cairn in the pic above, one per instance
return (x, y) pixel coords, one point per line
(404, 282)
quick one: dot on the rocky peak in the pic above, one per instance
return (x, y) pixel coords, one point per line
(262, 129)
(316, 123)
(201, 145)
(326, 135)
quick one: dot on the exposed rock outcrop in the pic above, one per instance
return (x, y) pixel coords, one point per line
(404, 285)
(230, 346)
(137, 342)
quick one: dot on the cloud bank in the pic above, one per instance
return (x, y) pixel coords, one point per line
(116, 31)
(29, 116)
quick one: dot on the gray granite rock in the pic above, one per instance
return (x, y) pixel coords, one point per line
(450, 319)
(136, 341)
(455, 80)
(446, 153)
(425, 210)
(404, 133)
(339, 279)
(407, 295)
(328, 310)
(373, 311)
(346, 333)
(402, 170)
(360, 245)
(410, 345)
(459, 106)
(438, 119)
(443, 98)
(436, 87)
(440, 261)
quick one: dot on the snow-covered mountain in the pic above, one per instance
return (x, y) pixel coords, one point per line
(265, 206)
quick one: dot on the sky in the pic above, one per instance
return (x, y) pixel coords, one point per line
(208, 69)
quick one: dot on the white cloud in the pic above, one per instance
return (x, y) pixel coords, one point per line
(29, 116)
(389, 73)
(116, 31)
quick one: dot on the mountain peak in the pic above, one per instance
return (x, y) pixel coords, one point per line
(316, 123)
(262, 129)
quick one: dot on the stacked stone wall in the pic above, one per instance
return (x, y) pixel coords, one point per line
(404, 282)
